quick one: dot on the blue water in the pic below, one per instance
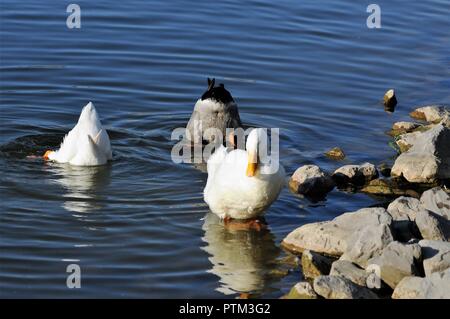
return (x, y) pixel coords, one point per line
(139, 227)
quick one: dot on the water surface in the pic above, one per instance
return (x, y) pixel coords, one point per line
(138, 227)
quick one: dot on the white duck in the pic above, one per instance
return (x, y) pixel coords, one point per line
(242, 184)
(87, 144)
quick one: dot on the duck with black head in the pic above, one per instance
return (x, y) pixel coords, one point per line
(215, 109)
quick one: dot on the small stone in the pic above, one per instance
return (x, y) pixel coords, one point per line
(336, 153)
(301, 290)
(433, 287)
(403, 127)
(390, 101)
(310, 180)
(314, 264)
(385, 169)
(431, 113)
(397, 261)
(350, 271)
(355, 174)
(334, 287)
(432, 226)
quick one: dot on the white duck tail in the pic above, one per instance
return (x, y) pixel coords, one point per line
(87, 144)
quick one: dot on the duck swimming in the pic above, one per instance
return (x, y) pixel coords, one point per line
(242, 184)
(87, 144)
(215, 109)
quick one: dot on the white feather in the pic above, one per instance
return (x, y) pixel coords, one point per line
(87, 144)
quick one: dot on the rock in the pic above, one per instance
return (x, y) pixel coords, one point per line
(350, 271)
(437, 201)
(355, 174)
(436, 256)
(403, 211)
(428, 159)
(367, 243)
(311, 180)
(334, 287)
(336, 153)
(434, 287)
(314, 264)
(397, 261)
(301, 290)
(390, 101)
(432, 113)
(404, 208)
(407, 140)
(389, 187)
(384, 169)
(432, 226)
(331, 237)
(403, 127)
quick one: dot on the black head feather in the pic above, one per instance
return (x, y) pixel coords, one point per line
(218, 93)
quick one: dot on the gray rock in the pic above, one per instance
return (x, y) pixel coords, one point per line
(428, 159)
(406, 126)
(334, 287)
(331, 237)
(350, 271)
(367, 243)
(436, 256)
(314, 264)
(437, 201)
(432, 226)
(302, 290)
(434, 287)
(397, 261)
(430, 113)
(390, 187)
(311, 180)
(355, 174)
(404, 208)
(403, 211)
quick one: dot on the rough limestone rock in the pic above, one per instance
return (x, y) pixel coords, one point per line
(314, 264)
(436, 256)
(428, 159)
(355, 174)
(431, 113)
(334, 287)
(404, 208)
(434, 287)
(350, 271)
(403, 211)
(437, 201)
(302, 290)
(397, 261)
(311, 180)
(432, 226)
(406, 126)
(331, 237)
(367, 243)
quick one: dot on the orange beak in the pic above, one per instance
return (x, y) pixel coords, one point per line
(46, 155)
(252, 164)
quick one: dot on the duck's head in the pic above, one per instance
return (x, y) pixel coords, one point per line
(255, 146)
(217, 94)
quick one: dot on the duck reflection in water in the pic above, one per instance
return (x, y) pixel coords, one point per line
(242, 258)
(83, 186)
